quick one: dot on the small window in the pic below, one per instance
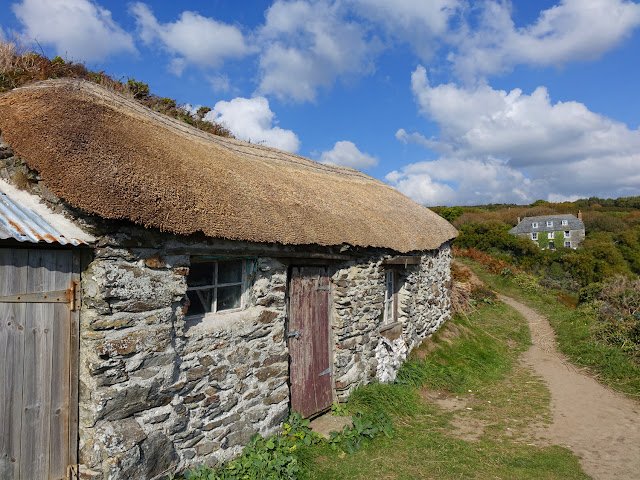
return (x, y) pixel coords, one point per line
(534, 225)
(552, 246)
(534, 235)
(391, 297)
(565, 223)
(567, 234)
(551, 235)
(567, 244)
(215, 286)
(549, 223)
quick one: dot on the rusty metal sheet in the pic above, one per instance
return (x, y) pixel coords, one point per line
(24, 218)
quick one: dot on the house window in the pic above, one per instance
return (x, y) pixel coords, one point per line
(215, 286)
(391, 297)
(565, 222)
(567, 234)
(552, 246)
(549, 223)
(534, 236)
(567, 244)
(551, 235)
(534, 225)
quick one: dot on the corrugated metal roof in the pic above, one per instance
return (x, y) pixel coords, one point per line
(24, 218)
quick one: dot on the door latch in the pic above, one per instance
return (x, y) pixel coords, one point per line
(293, 334)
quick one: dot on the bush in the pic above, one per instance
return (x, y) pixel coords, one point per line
(619, 314)
(19, 68)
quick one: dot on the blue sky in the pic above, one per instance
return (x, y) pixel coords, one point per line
(450, 101)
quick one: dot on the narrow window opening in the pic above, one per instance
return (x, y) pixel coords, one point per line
(391, 297)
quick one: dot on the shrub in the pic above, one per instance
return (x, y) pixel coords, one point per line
(619, 314)
(19, 68)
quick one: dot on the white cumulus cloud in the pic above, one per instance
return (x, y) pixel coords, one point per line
(569, 31)
(422, 24)
(252, 119)
(77, 29)
(192, 39)
(307, 46)
(499, 146)
(347, 154)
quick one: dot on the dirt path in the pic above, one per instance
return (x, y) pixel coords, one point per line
(602, 427)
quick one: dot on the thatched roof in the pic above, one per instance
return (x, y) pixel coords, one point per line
(109, 156)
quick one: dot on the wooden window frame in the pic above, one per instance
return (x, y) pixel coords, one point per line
(549, 223)
(565, 223)
(391, 279)
(534, 224)
(551, 235)
(214, 286)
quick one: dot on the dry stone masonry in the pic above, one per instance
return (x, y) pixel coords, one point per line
(161, 391)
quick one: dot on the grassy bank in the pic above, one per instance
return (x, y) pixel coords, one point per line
(574, 329)
(461, 408)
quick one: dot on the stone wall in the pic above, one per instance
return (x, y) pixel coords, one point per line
(159, 391)
(365, 348)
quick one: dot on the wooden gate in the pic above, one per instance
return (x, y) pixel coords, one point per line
(308, 332)
(37, 334)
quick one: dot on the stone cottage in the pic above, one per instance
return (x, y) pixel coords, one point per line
(166, 294)
(552, 231)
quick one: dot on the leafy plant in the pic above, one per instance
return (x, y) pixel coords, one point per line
(365, 427)
(339, 410)
(279, 457)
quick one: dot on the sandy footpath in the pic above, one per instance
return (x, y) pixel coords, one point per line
(599, 425)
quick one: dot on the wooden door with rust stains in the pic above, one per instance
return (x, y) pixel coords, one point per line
(35, 347)
(308, 333)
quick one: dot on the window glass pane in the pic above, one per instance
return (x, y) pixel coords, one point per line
(200, 274)
(200, 301)
(230, 272)
(229, 297)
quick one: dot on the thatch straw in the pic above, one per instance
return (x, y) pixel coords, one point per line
(109, 156)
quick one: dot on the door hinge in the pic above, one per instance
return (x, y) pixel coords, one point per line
(72, 472)
(54, 296)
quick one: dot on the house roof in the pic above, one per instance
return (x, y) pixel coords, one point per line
(109, 156)
(525, 225)
(24, 218)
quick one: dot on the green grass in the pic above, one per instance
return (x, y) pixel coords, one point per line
(573, 328)
(474, 363)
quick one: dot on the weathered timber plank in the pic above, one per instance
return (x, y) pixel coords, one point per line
(34, 457)
(13, 279)
(78, 260)
(60, 371)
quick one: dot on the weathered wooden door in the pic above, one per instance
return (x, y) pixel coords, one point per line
(308, 332)
(35, 362)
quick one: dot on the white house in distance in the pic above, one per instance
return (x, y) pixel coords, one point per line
(552, 231)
